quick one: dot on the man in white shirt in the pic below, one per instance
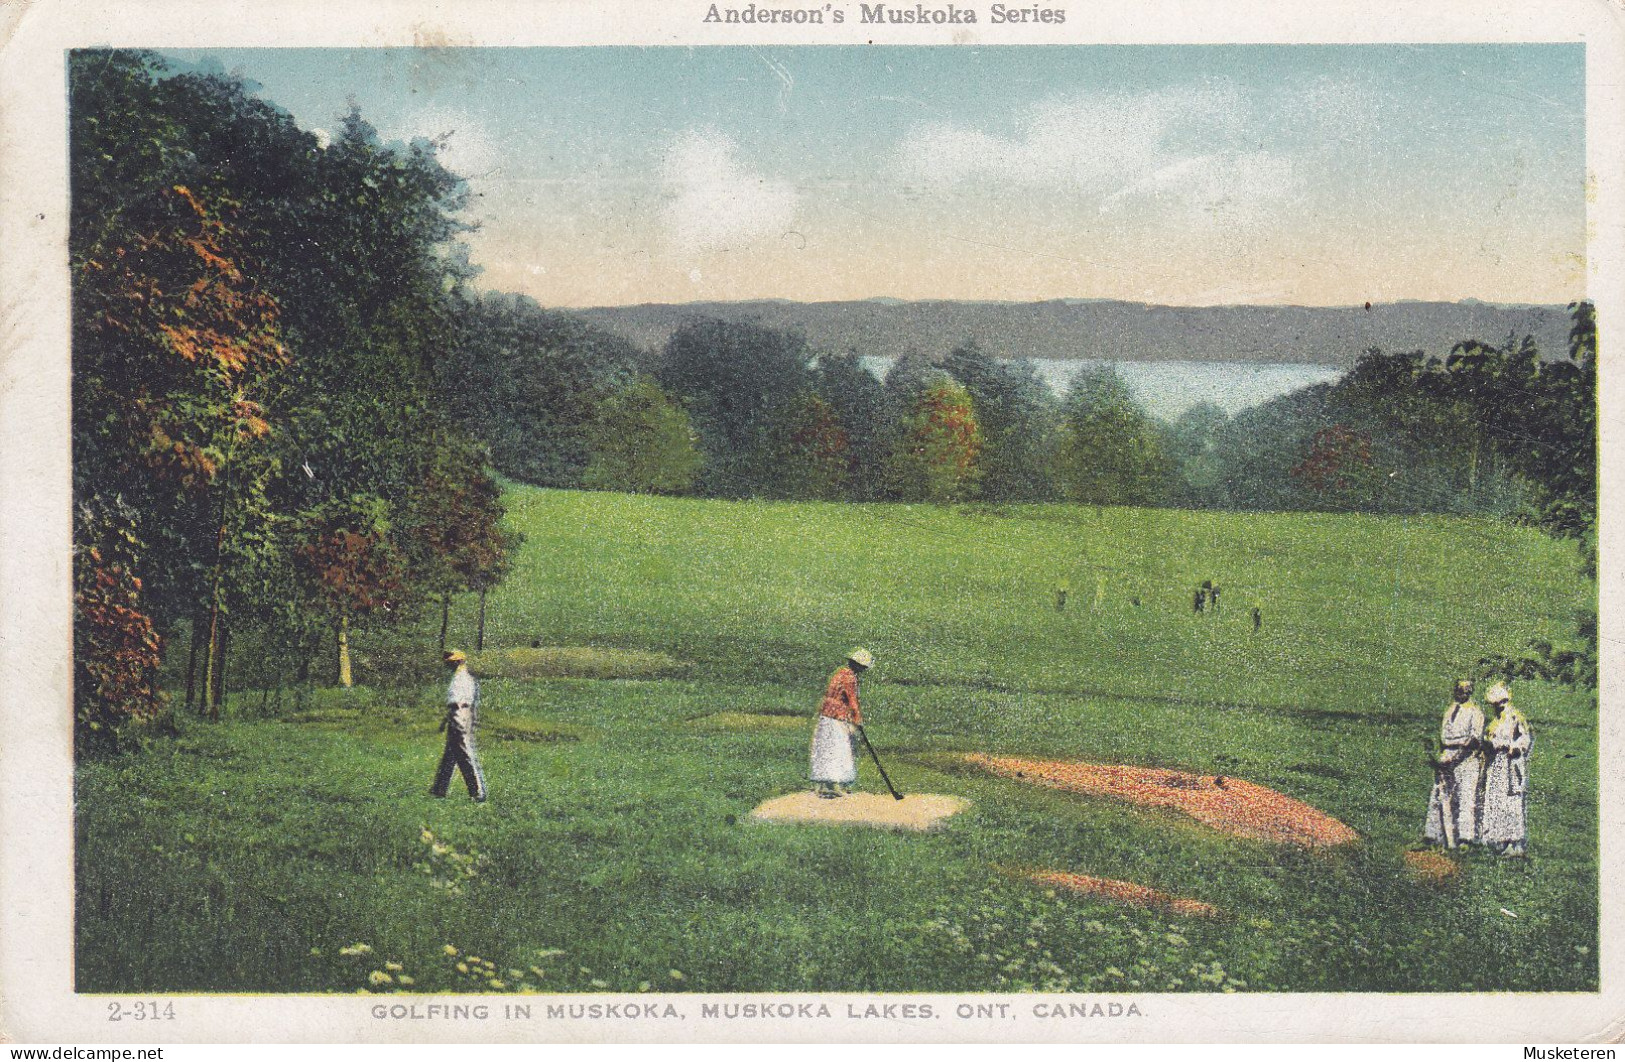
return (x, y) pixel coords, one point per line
(462, 701)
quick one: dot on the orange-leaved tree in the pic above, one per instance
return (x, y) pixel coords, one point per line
(177, 358)
(935, 458)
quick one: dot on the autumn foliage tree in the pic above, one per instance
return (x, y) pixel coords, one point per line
(178, 352)
(258, 319)
(117, 651)
(811, 454)
(934, 458)
(350, 568)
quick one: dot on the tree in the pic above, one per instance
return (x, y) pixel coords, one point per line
(810, 455)
(528, 383)
(1111, 451)
(858, 404)
(734, 378)
(234, 279)
(1338, 467)
(1016, 411)
(643, 443)
(1192, 446)
(179, 353)
(116, 648)
(938, 444)
(453, 536)
(350, 567)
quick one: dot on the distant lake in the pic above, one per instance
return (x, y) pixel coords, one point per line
(1168, 388)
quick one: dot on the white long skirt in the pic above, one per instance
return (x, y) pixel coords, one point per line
(832, 759)
(1505, 785)
(1461, 804)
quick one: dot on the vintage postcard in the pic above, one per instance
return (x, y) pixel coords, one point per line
(852, 521)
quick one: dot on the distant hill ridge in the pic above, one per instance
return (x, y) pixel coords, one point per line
(1114, 330)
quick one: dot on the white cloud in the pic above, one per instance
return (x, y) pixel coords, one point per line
(1184, 151)
(462, 144)
(1217, 189)
(715, 202)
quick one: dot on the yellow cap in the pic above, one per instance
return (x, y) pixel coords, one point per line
(861, 657)
(456, 656)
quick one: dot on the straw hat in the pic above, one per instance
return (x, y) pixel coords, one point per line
(1498, 694)
(861, 657)
(456, 656)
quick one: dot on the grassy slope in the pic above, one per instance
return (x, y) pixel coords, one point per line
(235, 851)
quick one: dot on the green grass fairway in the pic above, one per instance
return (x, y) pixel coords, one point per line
(617, 852)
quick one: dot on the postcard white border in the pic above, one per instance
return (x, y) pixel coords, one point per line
(37, 1002)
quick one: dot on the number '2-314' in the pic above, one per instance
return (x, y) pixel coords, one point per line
(140, 1010)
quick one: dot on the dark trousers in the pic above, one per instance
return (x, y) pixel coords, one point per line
(459, 755)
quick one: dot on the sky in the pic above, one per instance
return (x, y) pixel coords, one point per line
(1187, 175)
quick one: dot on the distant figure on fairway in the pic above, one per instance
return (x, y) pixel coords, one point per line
(1199, 600)
(1061, 589)
(1213, 596)
(462, 713)
(1506, 776)
(1258, 619)
(1453, 807)
(834, 767)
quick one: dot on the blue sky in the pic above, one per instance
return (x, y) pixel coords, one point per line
(1324, 175)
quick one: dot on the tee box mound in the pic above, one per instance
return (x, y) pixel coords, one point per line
(916, 811)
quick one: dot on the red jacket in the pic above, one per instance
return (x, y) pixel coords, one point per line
(841, 702)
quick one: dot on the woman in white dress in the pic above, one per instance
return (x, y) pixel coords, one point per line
(1453, 807)
(1507, 742)
(834, 768)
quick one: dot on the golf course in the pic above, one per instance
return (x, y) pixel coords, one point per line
(650, 675)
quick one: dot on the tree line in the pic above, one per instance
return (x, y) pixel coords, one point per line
(738, 409)
(260, 447)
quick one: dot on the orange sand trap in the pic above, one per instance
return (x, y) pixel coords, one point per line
(1432, 867)
(1124, 892)
(1230, 804)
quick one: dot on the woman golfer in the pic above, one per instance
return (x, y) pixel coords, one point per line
(834, 767)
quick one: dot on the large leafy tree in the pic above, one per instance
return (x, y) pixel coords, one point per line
(178, 352)
(1111, 451)
(935, 457)
(258, 318)
(642, 442)
(1016, 411)
(529, 382)
(858, 404)
(735, 378)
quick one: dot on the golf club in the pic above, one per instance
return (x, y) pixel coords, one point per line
(874, 756)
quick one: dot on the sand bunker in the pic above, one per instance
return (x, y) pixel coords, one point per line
(916, 811)
(1125, 892)
(1434, 867)
(1230, 804)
